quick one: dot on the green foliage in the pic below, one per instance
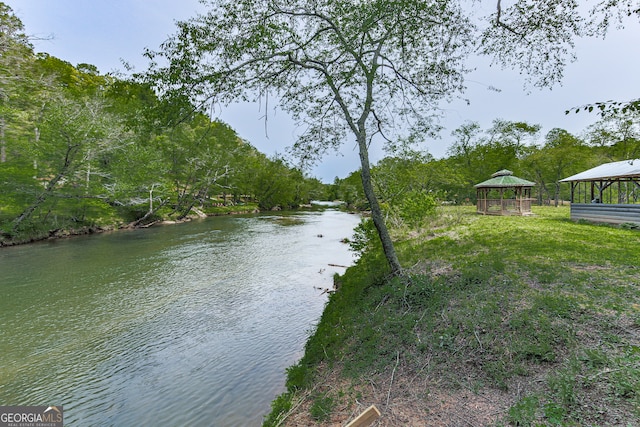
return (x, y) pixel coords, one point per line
(617, 136)
(365, 67)
(416, 206)
(350, 191)
(80, 149)
(364, 237)
(276, 185)
(523, 412)
(297, 377)
(478, 153)
(279, 407)
(321, 408)
(294, 49)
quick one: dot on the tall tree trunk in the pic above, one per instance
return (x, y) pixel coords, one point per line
(376, 211)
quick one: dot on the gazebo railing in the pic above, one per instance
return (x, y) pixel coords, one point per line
(503, 206)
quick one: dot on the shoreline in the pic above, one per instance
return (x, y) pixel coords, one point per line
(63, 233)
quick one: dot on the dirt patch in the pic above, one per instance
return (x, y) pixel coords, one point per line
(432, 268)
(404, 398)
(588, 267)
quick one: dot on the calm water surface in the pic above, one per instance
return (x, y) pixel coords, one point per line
(190, 324)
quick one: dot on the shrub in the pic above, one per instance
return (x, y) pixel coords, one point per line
(416, 206)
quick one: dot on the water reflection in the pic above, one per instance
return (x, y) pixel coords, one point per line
(192, 324)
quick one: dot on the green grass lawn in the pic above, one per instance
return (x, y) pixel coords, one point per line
(535, 320)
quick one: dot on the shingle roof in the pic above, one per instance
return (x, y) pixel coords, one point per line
(623, 169)
(505, 178)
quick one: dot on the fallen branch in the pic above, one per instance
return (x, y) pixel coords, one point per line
(392, 375)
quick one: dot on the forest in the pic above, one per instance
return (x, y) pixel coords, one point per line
(81, 151)
(84, 151)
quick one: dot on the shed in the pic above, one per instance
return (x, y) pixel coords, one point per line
(608, 193)
(504, 194)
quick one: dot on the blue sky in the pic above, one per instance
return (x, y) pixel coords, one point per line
(106, 32)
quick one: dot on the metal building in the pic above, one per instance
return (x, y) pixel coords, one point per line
(608, 193)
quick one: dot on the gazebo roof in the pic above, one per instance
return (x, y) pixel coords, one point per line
(614, 170)
(504, 179)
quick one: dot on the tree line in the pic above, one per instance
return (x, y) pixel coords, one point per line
(80, 149)
(476, 153)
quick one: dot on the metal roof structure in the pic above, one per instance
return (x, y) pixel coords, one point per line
(504, 179)
(613, 170)
(608, 193)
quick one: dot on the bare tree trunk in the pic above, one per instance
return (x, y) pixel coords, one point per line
(150, 212)
(51, 185)
(376, 211)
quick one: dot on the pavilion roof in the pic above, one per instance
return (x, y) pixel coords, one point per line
(504, 179)
(614, 170)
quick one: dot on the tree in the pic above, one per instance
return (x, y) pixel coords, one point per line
(466, 140)
(394, 177)
(409, 185)
(338, 67)
(15, 57)
(463, 157)
(507, 143)
(349, 190)
(515, 135)
(72, 137)
(617, 135)
(274, 184)
(562, 155)
(476, 154)
(601, 17)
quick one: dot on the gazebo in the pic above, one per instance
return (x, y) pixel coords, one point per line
(504, 194)
(608, 193)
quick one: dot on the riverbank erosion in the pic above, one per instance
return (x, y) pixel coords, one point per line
(504, 321)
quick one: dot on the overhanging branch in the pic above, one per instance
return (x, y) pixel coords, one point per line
(504, 25)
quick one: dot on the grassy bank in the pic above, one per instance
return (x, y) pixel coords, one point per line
(506, 321)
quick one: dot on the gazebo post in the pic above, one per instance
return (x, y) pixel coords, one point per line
(519, 200)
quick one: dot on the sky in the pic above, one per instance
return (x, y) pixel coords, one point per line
(107, 32)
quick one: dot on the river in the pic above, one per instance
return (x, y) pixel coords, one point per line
(188, 324)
